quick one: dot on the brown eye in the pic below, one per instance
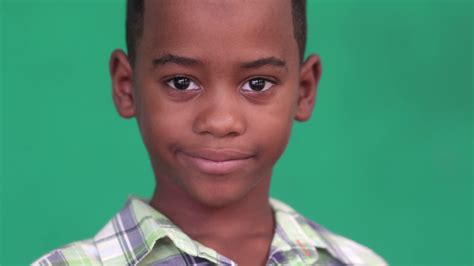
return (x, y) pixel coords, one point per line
(257, 85)
(182, 83)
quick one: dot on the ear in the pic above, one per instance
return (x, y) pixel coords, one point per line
(310, 73)
(121, 74)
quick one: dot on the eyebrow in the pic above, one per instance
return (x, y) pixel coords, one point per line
(175, 59)
(266, 61)
(188, 61)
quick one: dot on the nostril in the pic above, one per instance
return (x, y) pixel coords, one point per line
(220, 124)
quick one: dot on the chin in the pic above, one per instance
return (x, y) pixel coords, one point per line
(219, 194)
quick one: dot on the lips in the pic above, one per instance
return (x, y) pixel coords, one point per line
(215, 161)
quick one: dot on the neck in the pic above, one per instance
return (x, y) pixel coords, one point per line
(250, 216)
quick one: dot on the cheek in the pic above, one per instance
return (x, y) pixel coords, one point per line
(162, 126)
(273, 130)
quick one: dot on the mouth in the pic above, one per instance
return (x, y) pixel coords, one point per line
(215, 161)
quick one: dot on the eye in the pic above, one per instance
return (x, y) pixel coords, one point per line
(257, 85)
(182, 83)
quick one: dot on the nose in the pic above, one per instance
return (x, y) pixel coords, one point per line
(221, 115)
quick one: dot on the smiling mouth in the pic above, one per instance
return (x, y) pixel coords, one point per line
(215, 161)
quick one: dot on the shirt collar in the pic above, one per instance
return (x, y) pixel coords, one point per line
(293, 234)
(131, 234)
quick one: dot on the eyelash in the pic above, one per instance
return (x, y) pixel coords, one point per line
(267, 81)
(171, 82)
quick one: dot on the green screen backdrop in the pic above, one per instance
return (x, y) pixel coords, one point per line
(386, 159)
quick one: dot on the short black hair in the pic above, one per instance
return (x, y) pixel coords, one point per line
(136, 8)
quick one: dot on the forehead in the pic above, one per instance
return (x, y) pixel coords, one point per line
(220, 28)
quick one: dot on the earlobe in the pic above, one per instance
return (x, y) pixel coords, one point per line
(122, 85)
(310, 74)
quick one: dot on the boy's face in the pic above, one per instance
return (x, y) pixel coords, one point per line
(215, 87)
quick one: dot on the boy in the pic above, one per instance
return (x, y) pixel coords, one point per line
(215, 86)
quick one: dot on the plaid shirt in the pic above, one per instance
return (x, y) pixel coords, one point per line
(140, 235)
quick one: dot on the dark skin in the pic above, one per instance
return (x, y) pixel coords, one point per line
(215, 87)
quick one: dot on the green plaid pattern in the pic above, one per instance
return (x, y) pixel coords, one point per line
(140, 235)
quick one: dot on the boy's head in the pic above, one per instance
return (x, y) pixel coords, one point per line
(215, 87)
(136, 9)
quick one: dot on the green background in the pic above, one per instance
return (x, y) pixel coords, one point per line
(386, 159)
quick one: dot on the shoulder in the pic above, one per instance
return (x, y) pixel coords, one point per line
(354, 252)
(339, 247)
(77, 253)
(345, 249)
(117, 243)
